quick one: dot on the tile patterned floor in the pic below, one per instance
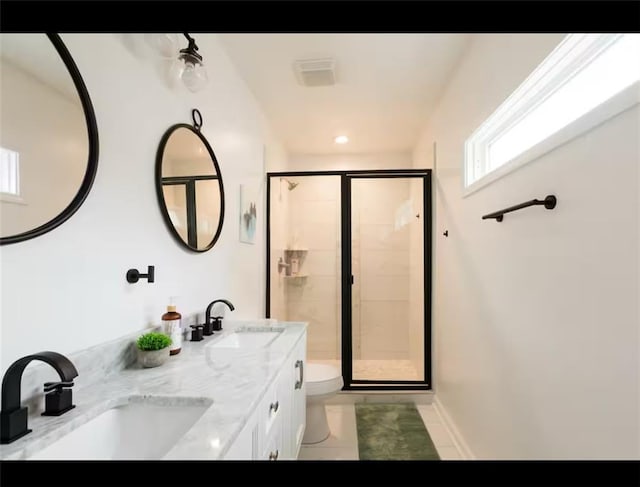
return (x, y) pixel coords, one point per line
(379, 369)
(343, 442)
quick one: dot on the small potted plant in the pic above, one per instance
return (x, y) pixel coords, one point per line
(153, 349)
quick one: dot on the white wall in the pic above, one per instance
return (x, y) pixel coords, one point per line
(536, 318)
(66, 290)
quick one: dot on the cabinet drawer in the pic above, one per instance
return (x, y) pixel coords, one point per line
(270, 410)
(273, 447)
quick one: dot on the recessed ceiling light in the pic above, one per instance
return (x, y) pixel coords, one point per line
(341, 139)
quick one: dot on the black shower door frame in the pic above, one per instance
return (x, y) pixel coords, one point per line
(346, 177)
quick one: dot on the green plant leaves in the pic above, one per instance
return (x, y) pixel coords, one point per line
(153, 341)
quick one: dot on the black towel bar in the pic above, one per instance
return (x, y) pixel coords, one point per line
(549, 203)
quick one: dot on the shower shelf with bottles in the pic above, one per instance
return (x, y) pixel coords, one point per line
(293, 264)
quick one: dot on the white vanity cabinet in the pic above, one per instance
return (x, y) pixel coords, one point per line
(272, 415)
(298, 403)
(245, 445)
(276, 427)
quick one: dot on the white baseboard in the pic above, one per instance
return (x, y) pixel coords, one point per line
(458, 439)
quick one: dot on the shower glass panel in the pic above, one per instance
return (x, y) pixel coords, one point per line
(305, 259)
(387, 265)
(349, 253)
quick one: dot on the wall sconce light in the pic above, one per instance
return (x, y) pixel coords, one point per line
(186, 66)
(193, 73)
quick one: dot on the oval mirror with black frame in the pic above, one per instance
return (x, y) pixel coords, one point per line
(189, 186)
(49, 136)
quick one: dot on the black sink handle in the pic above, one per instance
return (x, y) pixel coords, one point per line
(50, 386)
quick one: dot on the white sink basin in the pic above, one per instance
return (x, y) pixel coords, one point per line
(138, 430)
(247, 339)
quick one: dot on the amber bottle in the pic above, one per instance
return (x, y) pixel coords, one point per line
(171, 321)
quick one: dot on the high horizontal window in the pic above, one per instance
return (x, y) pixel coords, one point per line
(9, 173)
(576, 79)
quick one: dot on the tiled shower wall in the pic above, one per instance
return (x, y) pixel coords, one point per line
(387, 291)
(279, 230)
(314, 225)
(380, 256)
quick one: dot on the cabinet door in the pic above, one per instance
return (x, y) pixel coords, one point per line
(272, 413)
(286, 398)
(245, 445)
(299, 396)
(274, 446)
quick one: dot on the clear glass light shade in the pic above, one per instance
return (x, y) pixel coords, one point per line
(164, 45)
(173, 71)
(194, 76)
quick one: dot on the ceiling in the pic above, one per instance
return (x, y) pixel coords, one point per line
(387, 85)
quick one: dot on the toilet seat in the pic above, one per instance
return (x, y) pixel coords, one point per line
(322, 379)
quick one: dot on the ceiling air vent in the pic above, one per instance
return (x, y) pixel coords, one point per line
(315, 72)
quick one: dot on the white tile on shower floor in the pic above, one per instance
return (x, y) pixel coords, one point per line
(394, 369)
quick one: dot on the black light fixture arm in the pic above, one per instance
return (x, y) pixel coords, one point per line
(190, 53)
(549, 203)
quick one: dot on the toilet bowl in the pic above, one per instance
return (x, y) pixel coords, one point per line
(322, 382)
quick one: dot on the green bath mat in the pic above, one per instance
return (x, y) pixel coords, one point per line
(392, 432)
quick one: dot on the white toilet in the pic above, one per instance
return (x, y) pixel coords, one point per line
(322, 382)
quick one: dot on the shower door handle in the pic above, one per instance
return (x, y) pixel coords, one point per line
(352, 279)
(300, 365)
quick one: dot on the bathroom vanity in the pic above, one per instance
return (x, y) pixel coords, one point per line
(237, 395)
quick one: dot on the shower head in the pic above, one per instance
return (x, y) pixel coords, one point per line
(291, 184)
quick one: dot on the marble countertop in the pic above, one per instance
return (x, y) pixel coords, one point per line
(234, 379)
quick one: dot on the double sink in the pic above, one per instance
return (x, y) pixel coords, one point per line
(146, 427)
(143, 428)
(248, 338)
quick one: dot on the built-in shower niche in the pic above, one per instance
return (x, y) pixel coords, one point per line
(295, 270)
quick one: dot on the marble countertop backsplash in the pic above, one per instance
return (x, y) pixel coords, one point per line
(234, 379)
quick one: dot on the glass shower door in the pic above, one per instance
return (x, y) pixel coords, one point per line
(349, 253)
(388, 279)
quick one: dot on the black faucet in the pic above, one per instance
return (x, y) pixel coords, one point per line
(216, 325)
(13, 418)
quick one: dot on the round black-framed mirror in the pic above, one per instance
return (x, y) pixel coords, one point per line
(49, 204)
(189, 186)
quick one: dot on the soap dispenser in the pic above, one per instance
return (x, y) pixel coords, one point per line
(171, 322)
